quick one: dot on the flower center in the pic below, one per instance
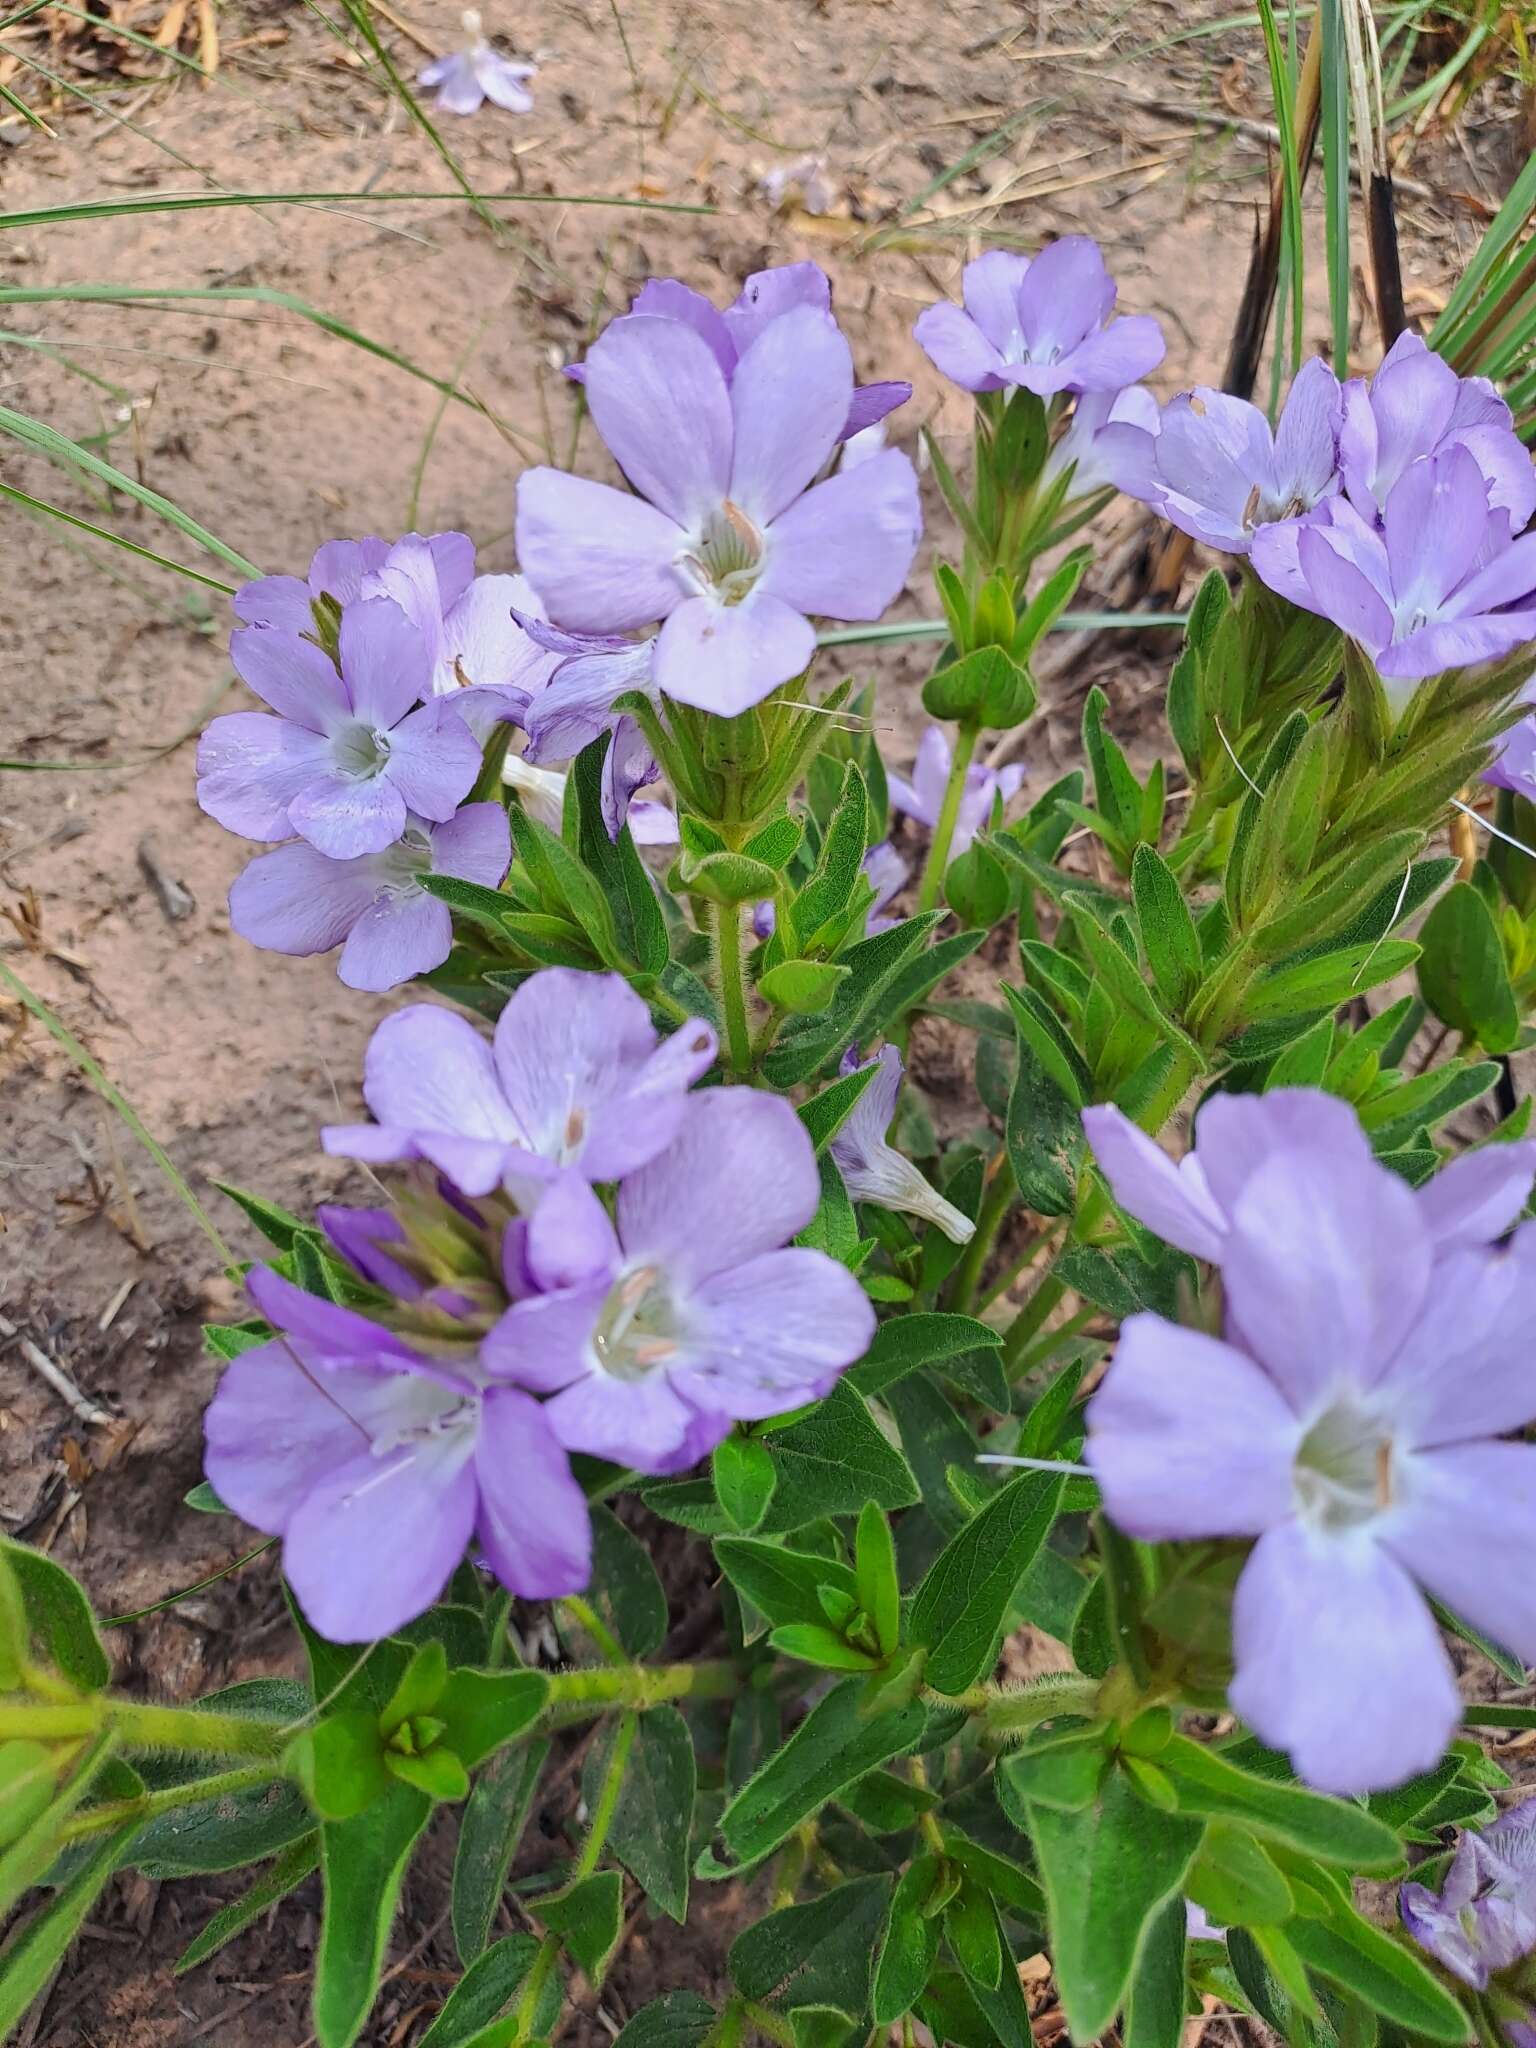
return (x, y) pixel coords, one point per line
(399, 868)
(638, 1329)
(359, 751)
(1344, 1474)
(726, 558)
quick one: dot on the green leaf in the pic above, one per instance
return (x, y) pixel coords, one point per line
(364, 1862)
(909, 1945)
(878, 1580)
(1107, 1871)
(27, 1784)
(237, 1827)
(1206, 1783)
(802, 987)
(825, 1114)
(296, 1863)
(805, 1044)
(490, 1829)
(588, 1916)
(58, 1617)
(970, 1924)
(340, 1763)
(37, 1948)
(1462, 972)
(1236, 1882)
(638, 918)
(744, 1479)
(1063, 1770)
(815, 1643)
(782, 1584)
(1167, 929)
(1328, 980)
(1359, 1958)
(832, 1462)
(278, 1225)
(486, 1989)
(482, 1710)
(817, 1953)
(1116, 792)
(625, 1590)
(1044, 1134)
(906, 1343)
(960, 1607)
(203, 1499)
(1155, 2007)
(832, 1747)
(654, 1817)
(840, 863)
(678, 2019)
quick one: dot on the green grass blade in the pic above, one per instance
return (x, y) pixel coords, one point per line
(59, 448)
(938, 629)
(1499, 238)
(192, 202)
(1293, 249)
(63, 1036)
(1335, 147)
(129, 547)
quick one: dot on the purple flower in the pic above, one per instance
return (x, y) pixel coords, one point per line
(1416, 406)
(467, 78)
(874, 1171)
(1483, 1919)
(765, 296)
(809, 174)
(336, 571)
(297, 900)
(1514, 763)
(1441, 585)
(575, 1076)
(1376, 1350)
(347, 758)
(1219, 474)
(688, 1310)
(1110, 440)
(923, 796)
(475, 627)
(1044, 323)
(727, 539)
(574, 706)
(378, 1467)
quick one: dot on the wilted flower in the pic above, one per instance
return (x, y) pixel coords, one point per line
(923, 797)
(689, 1309)
(1439, 585)
(809, 173)
(1219, 474)
(1483, 1918)
(347, 758)
(1045, 323)
(874, 1171)
(378, 1466)
(298, 900)
(1416, 406)
(575, 1076)
(467, 78)
(728, 540)
(1110, 439)
(1376, 1351)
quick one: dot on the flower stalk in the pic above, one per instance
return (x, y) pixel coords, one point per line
(949, 812)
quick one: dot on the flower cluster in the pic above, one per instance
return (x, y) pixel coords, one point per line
(1351, 1419)
(523, 1316)
(1482, 1921)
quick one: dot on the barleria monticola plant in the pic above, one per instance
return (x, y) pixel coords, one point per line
(1202, 1350)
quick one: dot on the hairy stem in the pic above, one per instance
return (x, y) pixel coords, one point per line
(733, 987)
(994, 1207)
(118, 1813)
(949, 812)
(582, 1695)
(146, 1727)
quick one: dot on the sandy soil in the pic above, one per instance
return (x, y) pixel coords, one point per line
(276, 436)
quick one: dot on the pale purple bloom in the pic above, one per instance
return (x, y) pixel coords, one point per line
(689, 1309)
(467, 78)
(575, 1076)
(378, 1467)
(726, 538)
(336, 571)
(874, 1171)
(475, 627)
(1110, 440)
(766, 295)
(923, 797)
(1439, 585)
(1219, 474)
(573, 707)
(1377, 1349)
(1483, 1918)
(862, 446)
(347, 758)
(297, 900)
(1514, 763)
(1198, 1924)
(1416, 406)
(542, 793)
(1045, 323)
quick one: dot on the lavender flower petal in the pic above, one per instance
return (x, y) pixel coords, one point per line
(532, 1522)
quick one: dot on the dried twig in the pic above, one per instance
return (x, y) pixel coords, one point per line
(78, 1404)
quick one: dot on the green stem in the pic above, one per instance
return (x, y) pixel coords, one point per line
(1027, 1324)
(769, 2022)
(585, 1616)
(146, 1727)
(584, 1694)
(608, 1798)
(733, 987)
(1048, 1240)
(949, 811)
(533, 1990)
(994, 1207)
(118, 1813)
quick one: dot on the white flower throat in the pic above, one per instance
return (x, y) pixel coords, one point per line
(1345, 1472)
(638, 1330)
(725, 558)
